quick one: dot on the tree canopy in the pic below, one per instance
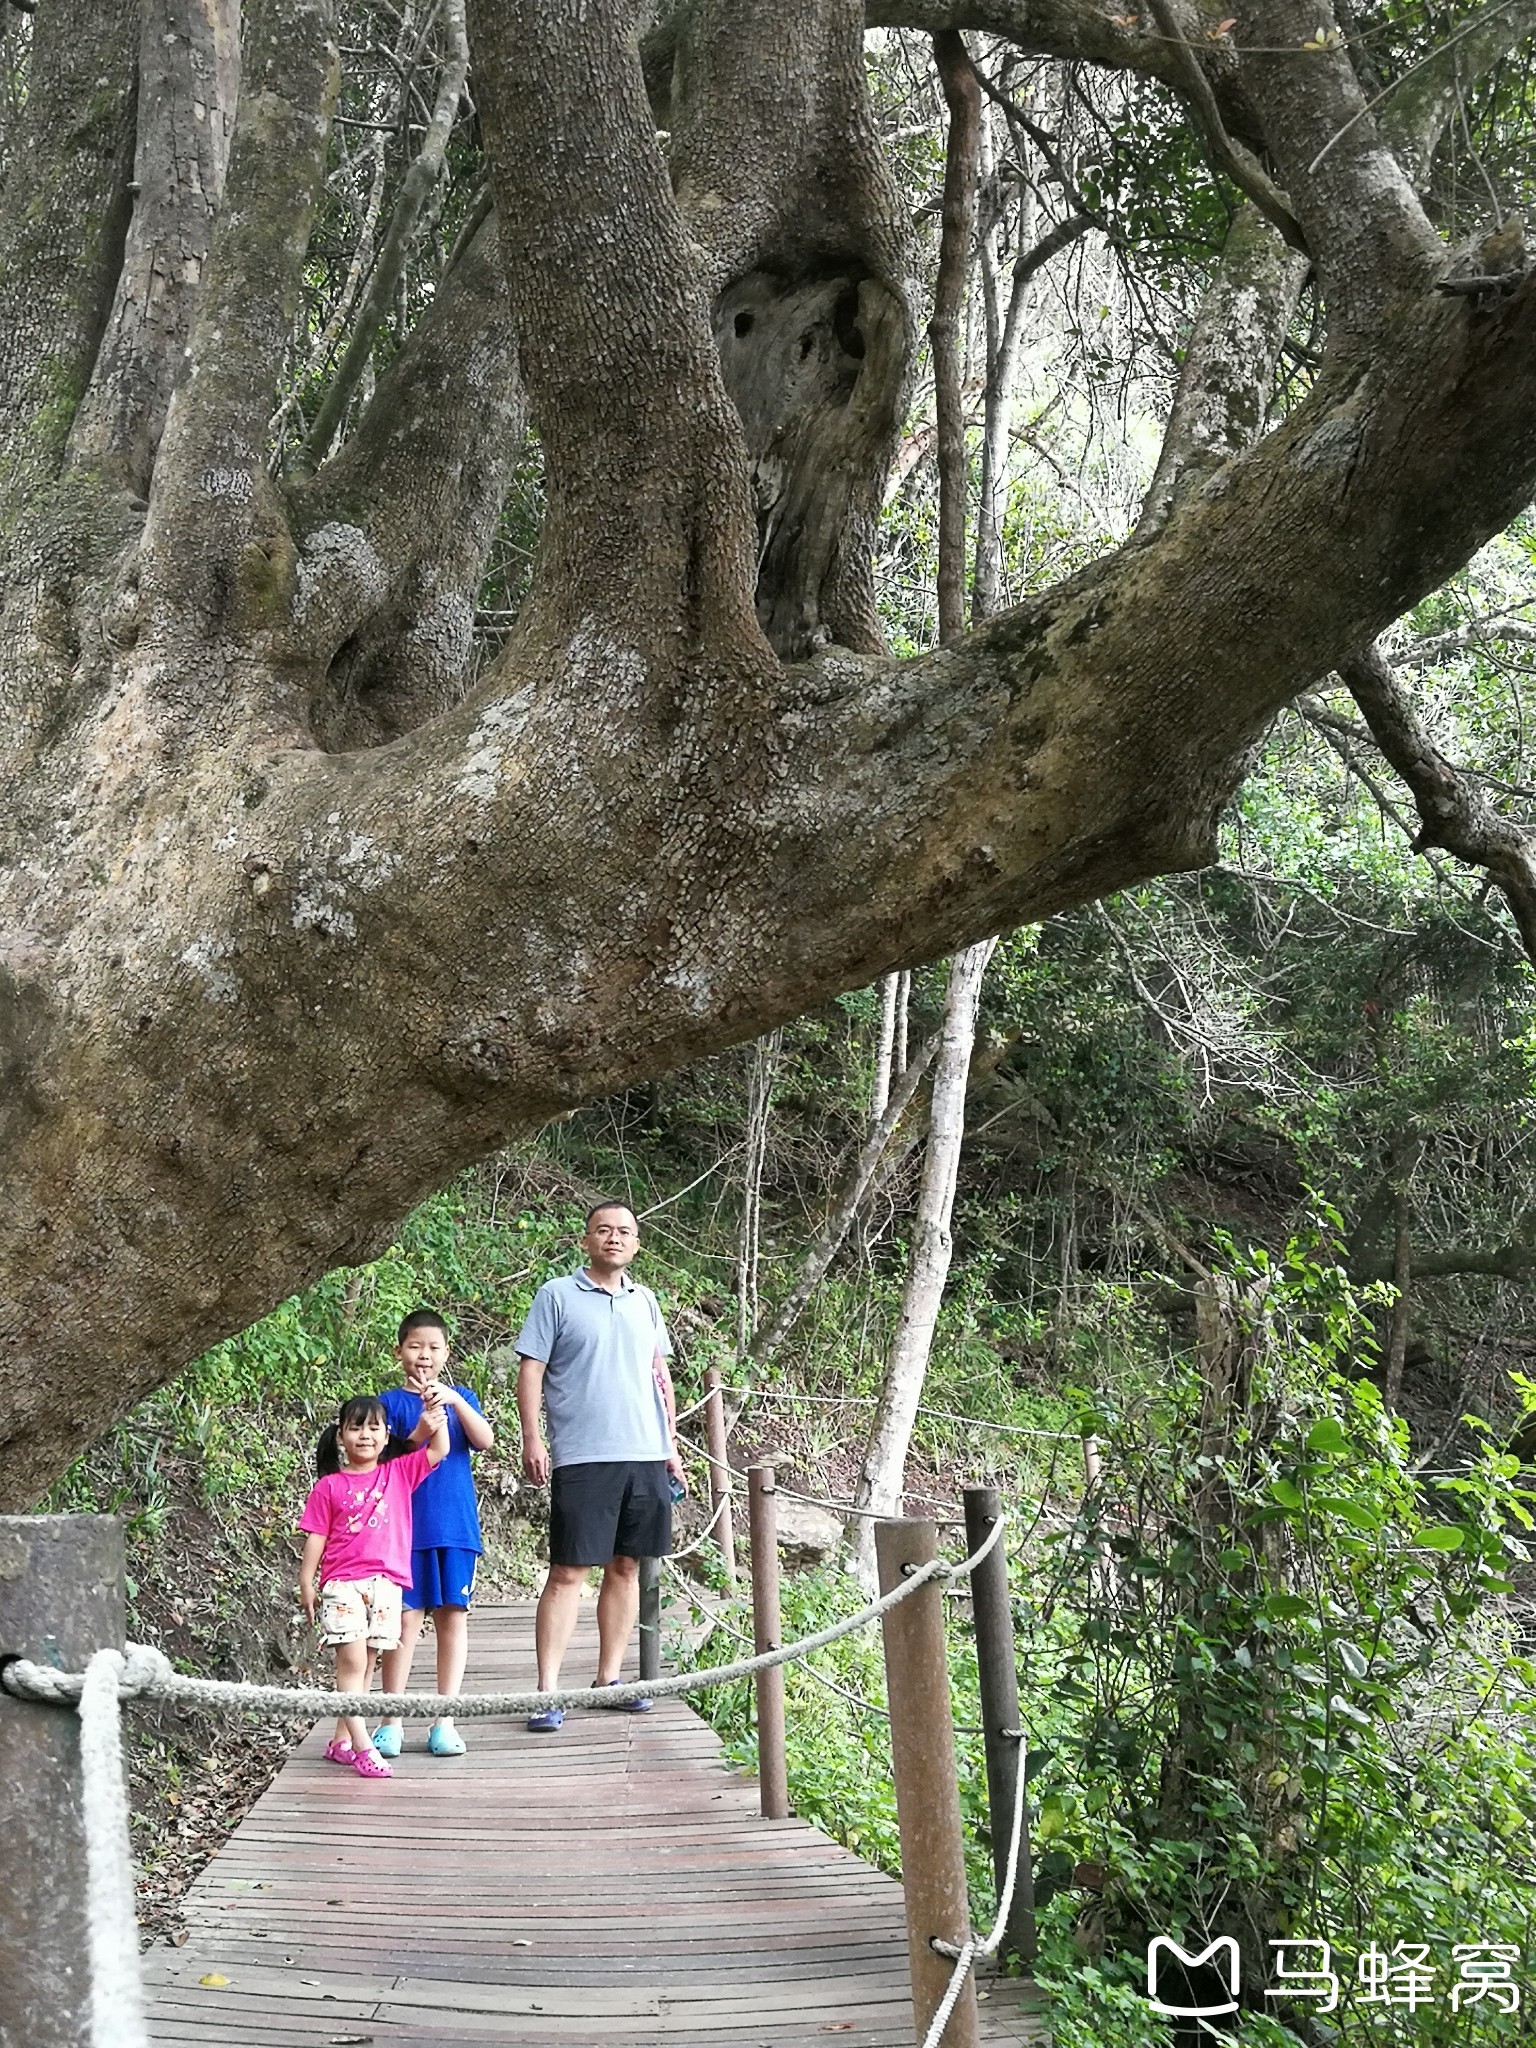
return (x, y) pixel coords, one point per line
(442, 454)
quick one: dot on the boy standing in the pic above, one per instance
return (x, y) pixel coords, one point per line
(446, 1540)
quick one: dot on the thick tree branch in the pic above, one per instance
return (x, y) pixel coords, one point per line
(1362, 219)
(804, 238)
(623, 378)
(1228, 374)
(211, 497)
(189, 82)
(1453, 812)
(394, 532)
(61, 238)
(1069, 29)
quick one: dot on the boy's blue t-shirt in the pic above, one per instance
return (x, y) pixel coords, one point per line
(444, 1511)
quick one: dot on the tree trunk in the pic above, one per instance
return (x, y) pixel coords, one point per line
(764, 1066)
(298, 915)
(885, 1458)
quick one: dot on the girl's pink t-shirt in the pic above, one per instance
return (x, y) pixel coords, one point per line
(365, 1518)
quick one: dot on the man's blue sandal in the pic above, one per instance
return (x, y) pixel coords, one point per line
(386, 1739)
(547, 1722)
(621, 1706)
(445, 1741)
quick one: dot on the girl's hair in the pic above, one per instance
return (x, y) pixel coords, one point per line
(357, 1408)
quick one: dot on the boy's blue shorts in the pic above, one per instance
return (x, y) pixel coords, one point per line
(441, 1578)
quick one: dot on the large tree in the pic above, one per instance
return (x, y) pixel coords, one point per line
(299, 913)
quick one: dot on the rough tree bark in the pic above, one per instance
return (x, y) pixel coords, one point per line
(294, 922)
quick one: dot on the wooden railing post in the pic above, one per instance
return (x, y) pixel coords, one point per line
(1002, 1736)
(927, 1787)
(767, 1633)
(650, 1617)
(719, 1472)
(61, 1598)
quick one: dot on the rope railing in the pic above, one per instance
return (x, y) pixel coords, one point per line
(142, 1672)
(971, 1951)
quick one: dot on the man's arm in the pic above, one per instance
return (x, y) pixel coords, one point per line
(662, 1373)
(530, 1399)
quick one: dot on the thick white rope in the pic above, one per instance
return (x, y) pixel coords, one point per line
(969, 1949)
(146, 1673)
(150, 1674)
(117, 1999)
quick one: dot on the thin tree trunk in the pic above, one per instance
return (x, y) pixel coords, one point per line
(880, 1094)
(962, 95)
(857, 1182)
(765, 1062)
(885, 1459)
(1404, 1158)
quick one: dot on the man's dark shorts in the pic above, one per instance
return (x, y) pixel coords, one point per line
(620, 1509)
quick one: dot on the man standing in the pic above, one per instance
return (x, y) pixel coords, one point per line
(593, 1354)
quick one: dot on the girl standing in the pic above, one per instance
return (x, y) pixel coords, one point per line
(357, 1524)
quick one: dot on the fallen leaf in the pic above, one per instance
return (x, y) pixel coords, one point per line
(836, 2027)
(214, 1981)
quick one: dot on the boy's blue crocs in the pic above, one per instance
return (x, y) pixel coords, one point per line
(386, 1738)
(547, 1722)
(445, 1740)
(621, 1706)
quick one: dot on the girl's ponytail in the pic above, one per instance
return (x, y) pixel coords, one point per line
(328, 1451)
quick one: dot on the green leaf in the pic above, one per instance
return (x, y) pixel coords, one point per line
(1356, 1663)
(1440, 1536)
(1326, 1436)
(1288, 1494)
(1286, 1607)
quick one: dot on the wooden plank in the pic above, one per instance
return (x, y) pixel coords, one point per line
(610, 1881)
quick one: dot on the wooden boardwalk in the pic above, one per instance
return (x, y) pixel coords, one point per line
(612, 1884)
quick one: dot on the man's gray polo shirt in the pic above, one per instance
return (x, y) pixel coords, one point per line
(600, 1391)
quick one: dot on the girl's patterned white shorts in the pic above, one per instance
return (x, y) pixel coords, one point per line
(360, 1611)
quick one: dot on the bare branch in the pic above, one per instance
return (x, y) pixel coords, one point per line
(1240, 164)
(1453, 813)
(1417, 106)
(417, 188)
